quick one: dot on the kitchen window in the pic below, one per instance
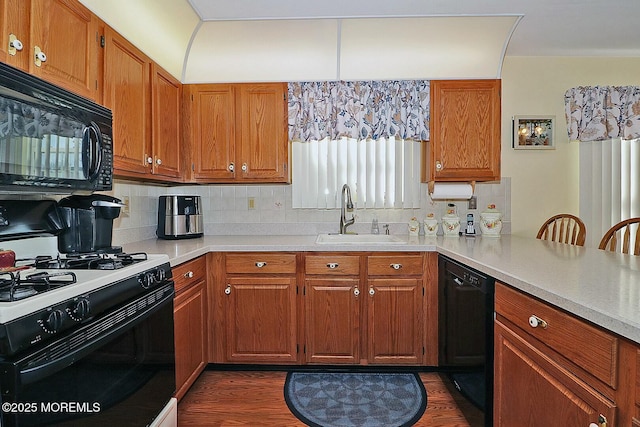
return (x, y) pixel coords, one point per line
(383, 173)
(363, 133)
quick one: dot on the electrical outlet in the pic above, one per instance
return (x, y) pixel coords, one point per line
(124, 211)
(251, 203)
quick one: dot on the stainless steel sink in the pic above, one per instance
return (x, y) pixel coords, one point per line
(359, 239)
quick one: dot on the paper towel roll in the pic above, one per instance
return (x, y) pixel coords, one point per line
(452, 191)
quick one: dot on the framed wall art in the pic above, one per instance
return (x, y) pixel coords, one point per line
(533, 132)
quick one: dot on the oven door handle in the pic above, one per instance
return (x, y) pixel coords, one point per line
(37, 373)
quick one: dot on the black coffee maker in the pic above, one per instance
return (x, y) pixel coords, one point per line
(89, 223)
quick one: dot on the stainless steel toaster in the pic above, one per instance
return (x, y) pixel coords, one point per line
(179, 217)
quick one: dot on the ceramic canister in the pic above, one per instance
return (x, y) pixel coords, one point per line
(430, 225)
(491, 222)
(451, 224)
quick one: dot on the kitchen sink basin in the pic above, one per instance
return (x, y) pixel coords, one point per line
(359, 239)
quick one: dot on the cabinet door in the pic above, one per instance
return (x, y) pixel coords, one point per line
(14, 24)
(394, 324)
(636, 420)
(190, 308)
(166, 95)
(465, 131)
(531, 389)
(67, 33)
(212, 124)
(127, 94)
(332, 308)
(262, 119)
(261, 322)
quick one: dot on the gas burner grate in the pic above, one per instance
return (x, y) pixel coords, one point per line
(88, 261)
(13, 287)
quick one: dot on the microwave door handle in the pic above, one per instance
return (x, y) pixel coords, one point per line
(92, 151)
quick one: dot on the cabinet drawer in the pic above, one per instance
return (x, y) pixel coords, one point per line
(189, 272)
(261, 263)
(395, 265)
(587, 346)
(337, 265)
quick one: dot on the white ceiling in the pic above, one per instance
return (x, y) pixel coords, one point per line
(548, 27)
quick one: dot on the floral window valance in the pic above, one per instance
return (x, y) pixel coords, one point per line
(596, 113)
(359, 109)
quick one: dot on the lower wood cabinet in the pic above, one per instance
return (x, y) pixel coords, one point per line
(636, 419)
(552, 368)
(364, 309)
(190, 323)
(258, 300)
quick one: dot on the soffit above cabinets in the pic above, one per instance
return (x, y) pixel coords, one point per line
(349, 49)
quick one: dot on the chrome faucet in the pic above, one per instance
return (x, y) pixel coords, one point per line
(345, 204)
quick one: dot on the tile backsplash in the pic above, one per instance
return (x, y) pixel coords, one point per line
(266, 209)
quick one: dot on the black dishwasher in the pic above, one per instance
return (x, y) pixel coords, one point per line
(465, 330)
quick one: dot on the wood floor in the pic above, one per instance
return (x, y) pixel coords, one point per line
(252, 398)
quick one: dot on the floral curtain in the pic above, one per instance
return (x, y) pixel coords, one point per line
(596, 113)
(359, 109)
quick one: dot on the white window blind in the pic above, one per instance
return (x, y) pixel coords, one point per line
(383, 173)
(609, 184)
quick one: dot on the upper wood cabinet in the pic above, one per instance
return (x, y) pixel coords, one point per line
(61, 42)
(465, 131)
(237, 132)
(127, 92)
(145, 101)
(166, 132)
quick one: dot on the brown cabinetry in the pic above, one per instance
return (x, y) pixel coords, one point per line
(145, 101)
(259, 307)
(364, 308)
(237, 132)
(190, 323)
(557, 369)
(465, 131)
(59, 40)
(636, 419)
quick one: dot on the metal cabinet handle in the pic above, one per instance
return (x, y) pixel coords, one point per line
(227, 290)
(39, 56)
(356, 291)
(188, 274)
(231, 167)
(395, 266)
(261, 264)
(333, 265)
(372, 291)
(535, 321)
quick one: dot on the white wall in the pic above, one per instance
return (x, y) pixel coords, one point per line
(546, 182)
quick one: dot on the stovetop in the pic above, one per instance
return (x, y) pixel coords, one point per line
(71, 281)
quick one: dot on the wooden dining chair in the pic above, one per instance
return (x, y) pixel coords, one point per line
(622, 232)
(564, 228)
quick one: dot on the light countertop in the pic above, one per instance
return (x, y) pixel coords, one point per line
(598, 286)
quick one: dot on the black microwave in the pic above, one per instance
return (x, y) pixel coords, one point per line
(51, 140)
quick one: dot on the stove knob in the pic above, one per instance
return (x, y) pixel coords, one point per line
(160, 275)
(80, 310)
(147, 279)
(53, 322)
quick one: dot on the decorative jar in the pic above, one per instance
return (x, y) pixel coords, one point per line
(430, 225)
(491, 222)
(451, 223)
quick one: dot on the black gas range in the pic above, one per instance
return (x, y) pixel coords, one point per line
(52, 294)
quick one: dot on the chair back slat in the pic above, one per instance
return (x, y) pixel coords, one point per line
(564, 228)
(624, 231)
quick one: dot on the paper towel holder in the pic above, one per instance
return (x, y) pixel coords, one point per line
(431, 185)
